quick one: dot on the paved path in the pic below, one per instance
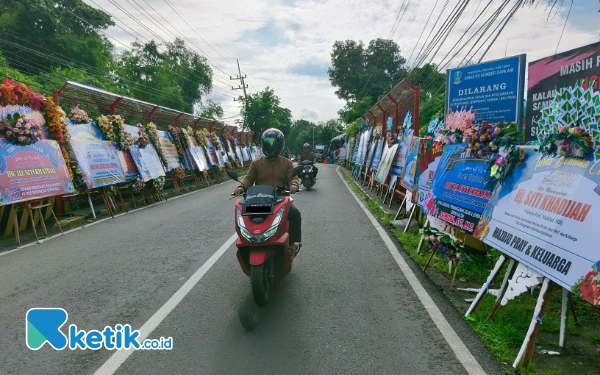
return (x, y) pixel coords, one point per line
(348, 307)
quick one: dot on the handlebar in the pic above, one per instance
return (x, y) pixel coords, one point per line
(285, 193)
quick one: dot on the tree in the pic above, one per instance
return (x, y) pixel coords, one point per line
(212, 110)
(262, 111)
(328, 130)
(67, 28)
(304, 131)
(301, 133)
(432, 95)
(177, 77)
(355, 110)
(360, 72)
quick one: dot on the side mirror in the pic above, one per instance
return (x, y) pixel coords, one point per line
(296, 171)
(232, 175)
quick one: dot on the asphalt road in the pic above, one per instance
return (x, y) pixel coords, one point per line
(346, 308)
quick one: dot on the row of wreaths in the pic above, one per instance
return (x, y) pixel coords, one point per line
(23, 131)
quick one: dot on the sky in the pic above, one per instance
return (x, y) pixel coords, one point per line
(286, 44)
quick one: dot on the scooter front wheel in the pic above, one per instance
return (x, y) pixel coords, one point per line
(308, 184)
(262, 285)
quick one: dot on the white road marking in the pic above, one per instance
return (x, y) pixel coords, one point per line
(119, 357)
(456, 344)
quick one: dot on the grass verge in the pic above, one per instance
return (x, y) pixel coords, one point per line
(504, 334)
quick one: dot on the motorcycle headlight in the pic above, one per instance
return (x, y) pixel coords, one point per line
(267, 234)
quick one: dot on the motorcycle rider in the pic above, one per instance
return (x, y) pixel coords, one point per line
(310, 156)
(275, 170)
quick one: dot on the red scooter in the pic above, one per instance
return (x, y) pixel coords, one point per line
(264, 251)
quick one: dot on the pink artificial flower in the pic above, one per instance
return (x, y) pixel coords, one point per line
(499, 160)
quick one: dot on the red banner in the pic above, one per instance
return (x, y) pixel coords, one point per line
(32, 172)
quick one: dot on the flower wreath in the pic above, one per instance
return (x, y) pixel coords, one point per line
(152, 131)
(158, 183)
(106, 127)
(185, 133)
(12, 93)
(20, 130)
(176, 133)
(143, 139)
(179, 173)
(56, 120)
(588, 287)
(570, 142)
(201, 136)
(79, 116)
(487, 140)
(446, 245)
(214, 140)
(113, 130)
(451, 136)
(137, 185)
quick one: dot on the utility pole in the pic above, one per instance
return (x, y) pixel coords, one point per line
(242, 87)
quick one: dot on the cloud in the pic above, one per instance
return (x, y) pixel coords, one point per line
(309, 69)
(286, 44)
(310, 115)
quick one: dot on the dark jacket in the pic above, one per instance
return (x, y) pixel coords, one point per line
(273, 171)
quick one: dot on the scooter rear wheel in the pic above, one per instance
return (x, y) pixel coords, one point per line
(262, 285)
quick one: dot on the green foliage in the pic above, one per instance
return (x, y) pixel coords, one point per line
(432, 95)
(212, 110)
(178, 76)
(262, 111)
(358, 72)
(43, 43)
(301, 132)
(66, 28)
(352, 129)
(355, 110)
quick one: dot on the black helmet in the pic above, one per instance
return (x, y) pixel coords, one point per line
(306, 146)
(273, 142)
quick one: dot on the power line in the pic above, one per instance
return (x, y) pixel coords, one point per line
(401, 18)
(489, 24)
(120, 27)
(195, 32)
(430, 31)
(564, 27)
(486, 25)
(466, 31)
(409, 17)
(507, 18)
(423, 31)
(223, 57)
(135, 19)
(396, 21)
(126, 46)
(183, 35)
(100, 74)
(444, 30)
